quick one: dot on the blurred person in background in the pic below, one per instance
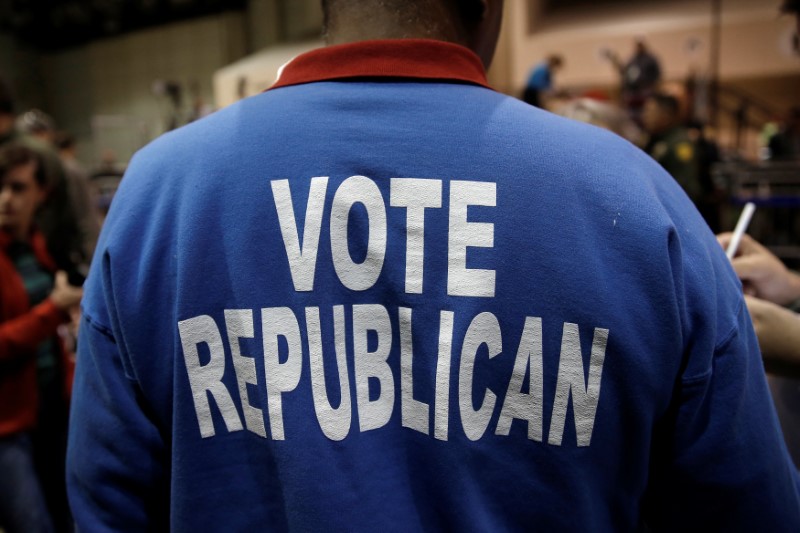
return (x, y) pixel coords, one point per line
(105, 179)
(37, 123)
(707, 154)
(603, 114)
(200, 108)
(40, 125)
(35, 372)
(82, 193)
(540, 81)
(108, 166)
(772, 295)
(85, 203)
(640, 76)
(669, 142)
(56, 219)
(684, 152)
(785, 144)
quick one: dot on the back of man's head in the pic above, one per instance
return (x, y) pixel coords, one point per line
(416, 11)
(471, 23)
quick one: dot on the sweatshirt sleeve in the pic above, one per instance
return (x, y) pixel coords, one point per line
(117, 476)
(22, 334)
(725, 464)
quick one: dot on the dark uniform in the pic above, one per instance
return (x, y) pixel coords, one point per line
(689, 163)
(676, 152)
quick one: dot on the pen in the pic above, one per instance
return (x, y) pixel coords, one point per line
(741, 227)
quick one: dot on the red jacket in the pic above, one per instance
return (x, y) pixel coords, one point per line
(22, 328)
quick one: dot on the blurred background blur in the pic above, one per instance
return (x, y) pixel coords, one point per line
(117, 73)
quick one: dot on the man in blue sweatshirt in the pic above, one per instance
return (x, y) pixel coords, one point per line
(382, 297)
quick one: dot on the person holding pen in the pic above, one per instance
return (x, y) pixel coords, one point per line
(772, 292)
(772, 295)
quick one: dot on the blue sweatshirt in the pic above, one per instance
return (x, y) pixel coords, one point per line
(383, 297)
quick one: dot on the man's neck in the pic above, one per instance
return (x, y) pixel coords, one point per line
(368, 25)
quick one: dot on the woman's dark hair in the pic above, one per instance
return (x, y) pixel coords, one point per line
(15, 155)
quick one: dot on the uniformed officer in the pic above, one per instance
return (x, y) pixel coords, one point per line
(670, 143)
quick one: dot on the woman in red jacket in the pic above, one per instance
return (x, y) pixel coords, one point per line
(32, 363)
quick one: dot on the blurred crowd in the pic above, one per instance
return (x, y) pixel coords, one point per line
(670, 123)
(49, 223)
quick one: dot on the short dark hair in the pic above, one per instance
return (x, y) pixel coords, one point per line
(666, 102)
(471, 11)
(15, 155)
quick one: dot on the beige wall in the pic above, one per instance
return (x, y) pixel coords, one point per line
(113, 79)
(20, 68)
(256, 72)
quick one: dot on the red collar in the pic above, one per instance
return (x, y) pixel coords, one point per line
(398, 58)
